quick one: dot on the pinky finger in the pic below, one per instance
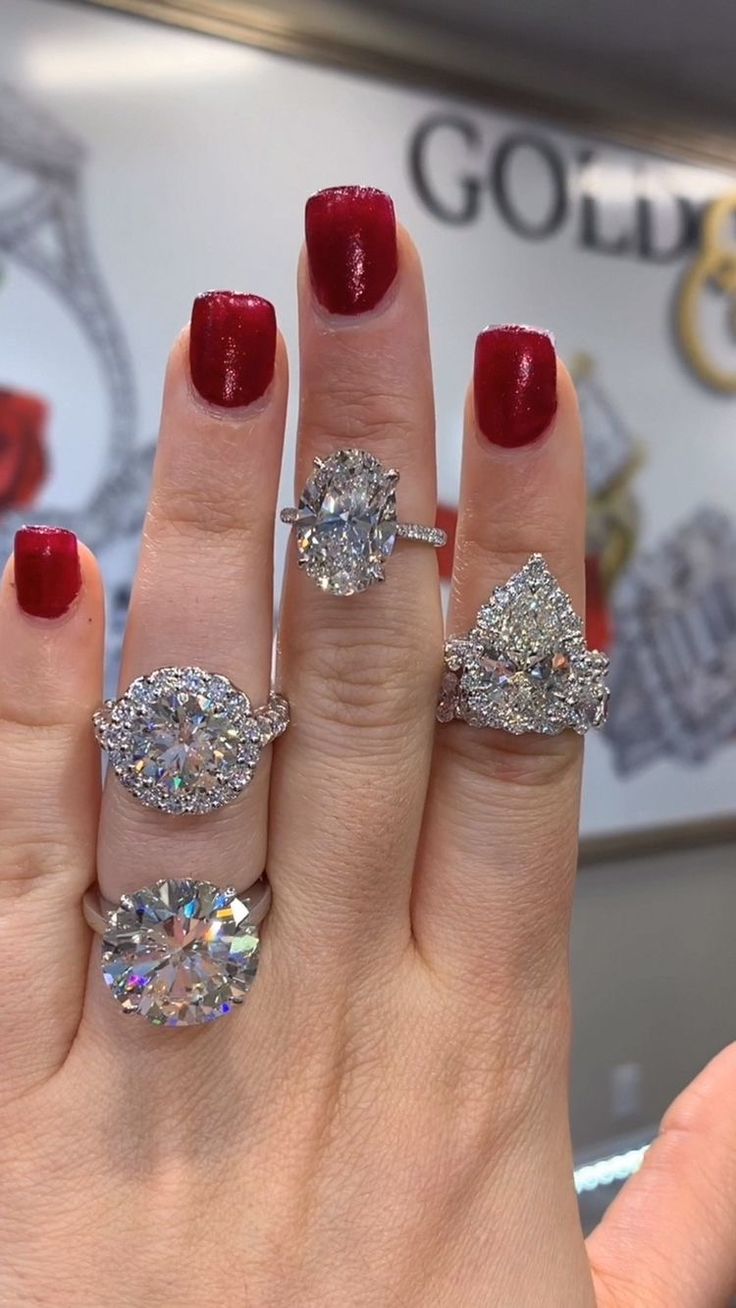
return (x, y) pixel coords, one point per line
(668, 1239)
(51, 649)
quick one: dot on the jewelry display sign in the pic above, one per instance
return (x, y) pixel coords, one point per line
(141, 164)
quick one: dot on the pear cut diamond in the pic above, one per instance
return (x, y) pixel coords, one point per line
(346, 523)
(180, 953)
(525, 665)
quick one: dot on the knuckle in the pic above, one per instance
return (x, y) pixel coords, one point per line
(618, 1287)
(527, 762)
(187, 515)
(41, 833)
(497, 1060)
(523, 1067)
(27, 726)
(697, 1109)
(25, 742)
(508, 537)
(384, 420)
(355, 681)
(25, 864)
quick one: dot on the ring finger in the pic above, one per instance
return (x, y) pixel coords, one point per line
(362, 668)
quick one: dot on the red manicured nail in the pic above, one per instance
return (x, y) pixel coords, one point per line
(232, 347)
(351, 243)
(515, 383)
(47, 573)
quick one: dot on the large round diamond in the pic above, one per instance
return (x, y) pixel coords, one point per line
(346, 522)
(180, 952)
(185, 742)
(182, 740)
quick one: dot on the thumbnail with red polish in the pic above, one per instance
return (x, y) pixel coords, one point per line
(48, 577)
(351, 245)
(232, 347)
(515, 384)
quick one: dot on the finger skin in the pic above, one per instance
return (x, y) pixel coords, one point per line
(496, 867)
(667, 1240)
(50, 684)
(202, 596)
(362, 671)
(494, 884)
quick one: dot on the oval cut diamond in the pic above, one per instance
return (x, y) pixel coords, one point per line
(346, 521)
(180, 953)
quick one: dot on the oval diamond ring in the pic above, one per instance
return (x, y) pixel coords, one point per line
(346, 524)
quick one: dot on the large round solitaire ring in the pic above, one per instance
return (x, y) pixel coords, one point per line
(525, 665)
(185, 741)
(346, 524)
(179, 953)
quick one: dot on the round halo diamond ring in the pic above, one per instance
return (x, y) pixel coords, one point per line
(180, 952)
(183, 740)
(346, 524)
(525, 667)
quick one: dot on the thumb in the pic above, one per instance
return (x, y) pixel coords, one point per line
(669, 1239)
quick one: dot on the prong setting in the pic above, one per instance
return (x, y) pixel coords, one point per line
(346, 524)
(525, 667)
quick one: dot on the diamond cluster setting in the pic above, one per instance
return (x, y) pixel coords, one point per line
(346, 521)
(180, 953)
(183, 740)
(525, 666)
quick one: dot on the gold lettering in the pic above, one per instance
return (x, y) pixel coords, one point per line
(713, 268)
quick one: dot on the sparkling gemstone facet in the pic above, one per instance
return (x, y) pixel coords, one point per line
(525, 665)
(180, 952)
(182, 740)
(346, 522)
(185, 742)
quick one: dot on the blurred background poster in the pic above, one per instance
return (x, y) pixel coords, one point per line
(141, 164)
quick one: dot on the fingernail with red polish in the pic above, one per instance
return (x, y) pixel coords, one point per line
(48, 577)
(515, 384)
(351, 244)
(232, 347)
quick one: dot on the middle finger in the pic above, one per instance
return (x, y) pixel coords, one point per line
(362, 670)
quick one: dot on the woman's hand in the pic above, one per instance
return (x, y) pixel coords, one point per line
(385, 1122)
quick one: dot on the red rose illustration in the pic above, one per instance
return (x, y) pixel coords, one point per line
(23, 456)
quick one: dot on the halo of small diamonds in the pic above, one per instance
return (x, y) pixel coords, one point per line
(183, 740)
(524, 666)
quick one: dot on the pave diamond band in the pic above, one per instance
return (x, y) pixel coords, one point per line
(183, 740)
(180, 952)
(426, 535)
(346, 523)
(524, 666)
